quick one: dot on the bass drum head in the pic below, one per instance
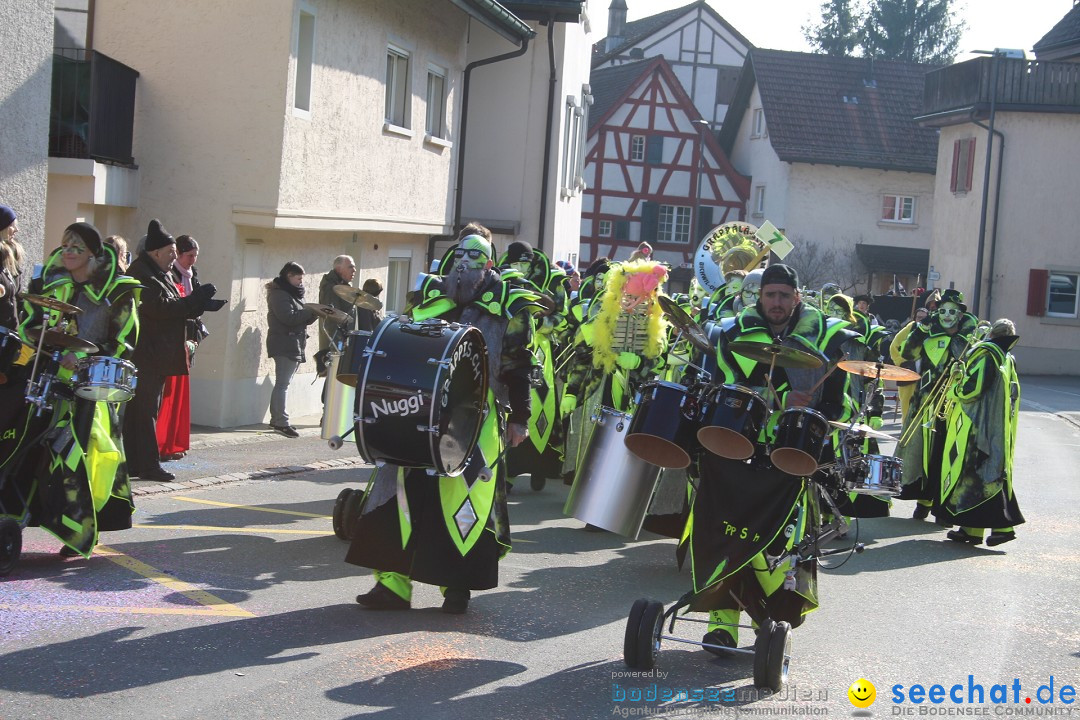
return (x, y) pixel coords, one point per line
(461, 401)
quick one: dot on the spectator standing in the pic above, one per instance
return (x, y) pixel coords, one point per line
(11, 266)
(286, 339)
(174, 415)
(161, 350)
(343, 272)
(123, 255)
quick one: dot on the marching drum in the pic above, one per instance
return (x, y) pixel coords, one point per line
(612, 486)
(799, 440)
(340, 399)
(421, 397)
(881, 475)
(664, 426)
(348, 368)
(732, 417)
(104, 379)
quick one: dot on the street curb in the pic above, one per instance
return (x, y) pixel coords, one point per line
(179, 485)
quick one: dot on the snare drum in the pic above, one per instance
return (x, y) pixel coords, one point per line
(421, 397)
(732, 417)
(348, 368)
(105, 379)
(10, 347)
(882, 475)
(664, 425)
(800, 437)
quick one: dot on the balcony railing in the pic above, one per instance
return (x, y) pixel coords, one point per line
(93, 107)
(1033, 85)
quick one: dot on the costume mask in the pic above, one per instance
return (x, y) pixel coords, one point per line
(834, 310)
(828, 291)
(948, 315)
(697, 293)
(750, 296)
(641, 286)
(733, 286)
(473, 252)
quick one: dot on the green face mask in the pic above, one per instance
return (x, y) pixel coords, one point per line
(733, 287)
(835, 311)
(474, 251)
(522, 266)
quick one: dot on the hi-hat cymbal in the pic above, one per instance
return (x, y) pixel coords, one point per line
(785, 357)
(871, 369)
(50, 303)
(56, 339)
(357, 297)
(328, 312)
(678, 317)
(861, 428)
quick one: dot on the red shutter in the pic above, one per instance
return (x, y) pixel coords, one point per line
(1038, 283)
(955, 164)
(970, 169)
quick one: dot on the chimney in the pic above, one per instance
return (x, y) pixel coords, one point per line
(615, 25)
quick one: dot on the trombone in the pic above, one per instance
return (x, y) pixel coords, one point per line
(937, 399)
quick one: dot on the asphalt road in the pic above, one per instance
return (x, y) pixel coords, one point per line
(233, 601)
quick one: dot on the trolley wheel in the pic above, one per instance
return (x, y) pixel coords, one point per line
(629, 649)
(761, 653)
(779, 656)
(648, 635)
(10, 545)
(537, 482)
(339, 513)
(351, 512)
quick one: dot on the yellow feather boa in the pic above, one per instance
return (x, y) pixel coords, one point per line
(611, 307)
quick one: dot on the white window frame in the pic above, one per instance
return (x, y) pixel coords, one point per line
(435, 114)
(1076, 295)
(673, 224)
(898, 203)
(758, 208)
(758, 129)
(304, 52)
(398, 88)
(604, 228)
(398, 278)
(637, 148)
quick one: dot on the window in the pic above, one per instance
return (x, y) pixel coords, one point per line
(397, 87)
(399, 272)
(757, 125)
(305, 48)
(674, 224)
(1061, 295)
(576, 123)
(435, 125)
(758, 208)
(898, 209)
(637, 148)
(605, 228)
(963, 165)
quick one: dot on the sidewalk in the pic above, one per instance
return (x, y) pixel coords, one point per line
(203, 436)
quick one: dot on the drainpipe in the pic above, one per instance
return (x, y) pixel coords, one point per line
(465, 120)
(986, 184)
(542, 220)
(997, 206)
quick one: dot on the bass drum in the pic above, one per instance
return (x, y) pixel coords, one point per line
(421, 397)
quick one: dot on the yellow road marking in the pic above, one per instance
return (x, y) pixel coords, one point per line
(249, 507)
(256, 531)
(199, 611)
(186, 589)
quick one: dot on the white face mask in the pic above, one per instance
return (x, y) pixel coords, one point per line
(750, 297)
(948, 315)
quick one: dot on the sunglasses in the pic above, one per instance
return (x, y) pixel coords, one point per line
(473, 254)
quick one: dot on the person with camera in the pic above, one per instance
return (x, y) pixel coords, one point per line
(161, 350)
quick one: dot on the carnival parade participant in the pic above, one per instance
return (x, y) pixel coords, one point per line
(725, 302)
(413, 527)
(984, 403)
(768, 511)
(85, 487)
(937, 343)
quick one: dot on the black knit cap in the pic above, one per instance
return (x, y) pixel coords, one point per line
(518, 251)
(88, 234)
(157, 236)
(780, 274)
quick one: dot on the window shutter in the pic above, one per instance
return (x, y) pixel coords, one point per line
(654, 149)
(1038, 284)
(970, 169)
(622, 229)
(704, 221)
(650, 221)
(955, 165)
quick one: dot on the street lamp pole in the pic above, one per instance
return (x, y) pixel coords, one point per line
(703, 127)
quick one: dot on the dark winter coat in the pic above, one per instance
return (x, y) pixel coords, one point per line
(163, 317)
(287, 320)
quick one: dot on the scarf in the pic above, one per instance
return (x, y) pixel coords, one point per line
(296, 292)
(185, 277)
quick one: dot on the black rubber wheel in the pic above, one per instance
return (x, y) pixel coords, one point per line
(351, 513)
(537, 482)
(339, 513)
(10, 545)
(648, 637)
(629, 648)
(761, 653)
(779, 656)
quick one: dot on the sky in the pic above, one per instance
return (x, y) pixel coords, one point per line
(777, 24)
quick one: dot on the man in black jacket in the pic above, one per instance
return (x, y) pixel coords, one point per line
(160, 351)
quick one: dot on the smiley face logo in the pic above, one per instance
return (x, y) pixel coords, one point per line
(862, 693)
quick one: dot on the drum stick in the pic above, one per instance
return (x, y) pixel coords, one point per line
(825, 376)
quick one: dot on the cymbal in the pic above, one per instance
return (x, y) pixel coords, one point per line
(678, 317)
(861, 428)
(328, 312)
(785, 357)
(57, 339)
(50, 303)
(357, 297)
(870, 369)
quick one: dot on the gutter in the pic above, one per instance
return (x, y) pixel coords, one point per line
(546, 176)
(498, 18)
